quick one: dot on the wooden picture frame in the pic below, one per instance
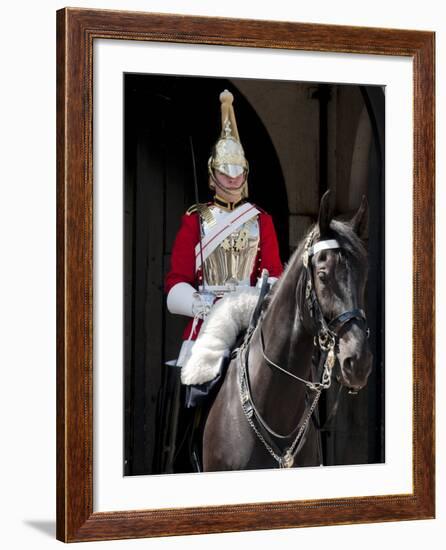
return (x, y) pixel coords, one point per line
(77, 29)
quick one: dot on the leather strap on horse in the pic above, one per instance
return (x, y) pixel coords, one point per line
(285, 458)
(250, 409)
(264, 289)
(336, 324)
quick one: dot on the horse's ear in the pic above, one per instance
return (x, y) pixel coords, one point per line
(325, 213)
(360, 220)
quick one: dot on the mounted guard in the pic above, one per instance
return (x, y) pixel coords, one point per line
(221, 250)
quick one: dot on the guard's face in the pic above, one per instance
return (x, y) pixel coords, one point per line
(230, 184)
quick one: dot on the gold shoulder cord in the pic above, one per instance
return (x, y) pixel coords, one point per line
(192, 209)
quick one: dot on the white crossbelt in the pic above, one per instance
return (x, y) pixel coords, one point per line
(229, 224)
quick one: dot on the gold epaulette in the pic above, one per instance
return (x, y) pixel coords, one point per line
(204, 211)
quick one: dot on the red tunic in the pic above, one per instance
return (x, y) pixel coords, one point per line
(182, 266)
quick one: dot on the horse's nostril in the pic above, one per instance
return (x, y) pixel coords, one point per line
(355, 371)
(348, 365)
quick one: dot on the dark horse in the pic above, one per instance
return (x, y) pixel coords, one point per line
(312, 327)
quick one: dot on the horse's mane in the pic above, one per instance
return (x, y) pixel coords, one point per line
(342, 231)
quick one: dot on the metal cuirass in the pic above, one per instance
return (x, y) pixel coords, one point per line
(232, 262)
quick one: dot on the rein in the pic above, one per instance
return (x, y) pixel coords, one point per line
(327, 335)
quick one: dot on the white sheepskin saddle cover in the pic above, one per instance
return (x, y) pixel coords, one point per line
(218, 335)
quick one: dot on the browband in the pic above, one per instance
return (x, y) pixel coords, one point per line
(323, 245)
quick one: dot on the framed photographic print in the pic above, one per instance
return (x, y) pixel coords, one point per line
(276, 181)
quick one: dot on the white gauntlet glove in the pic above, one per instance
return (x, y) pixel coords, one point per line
(202, 304)
(183, 299)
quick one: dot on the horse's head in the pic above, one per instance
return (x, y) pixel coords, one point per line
(339, 274)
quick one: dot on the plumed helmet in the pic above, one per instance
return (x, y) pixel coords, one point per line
(228, 155)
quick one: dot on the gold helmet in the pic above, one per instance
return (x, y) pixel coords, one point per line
(228, 155)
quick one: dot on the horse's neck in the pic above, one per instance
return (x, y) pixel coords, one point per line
(288, 344)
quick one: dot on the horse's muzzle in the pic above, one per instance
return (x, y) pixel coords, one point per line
(355, 370)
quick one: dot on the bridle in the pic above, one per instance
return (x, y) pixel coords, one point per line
(326, 337)
(327, 333)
